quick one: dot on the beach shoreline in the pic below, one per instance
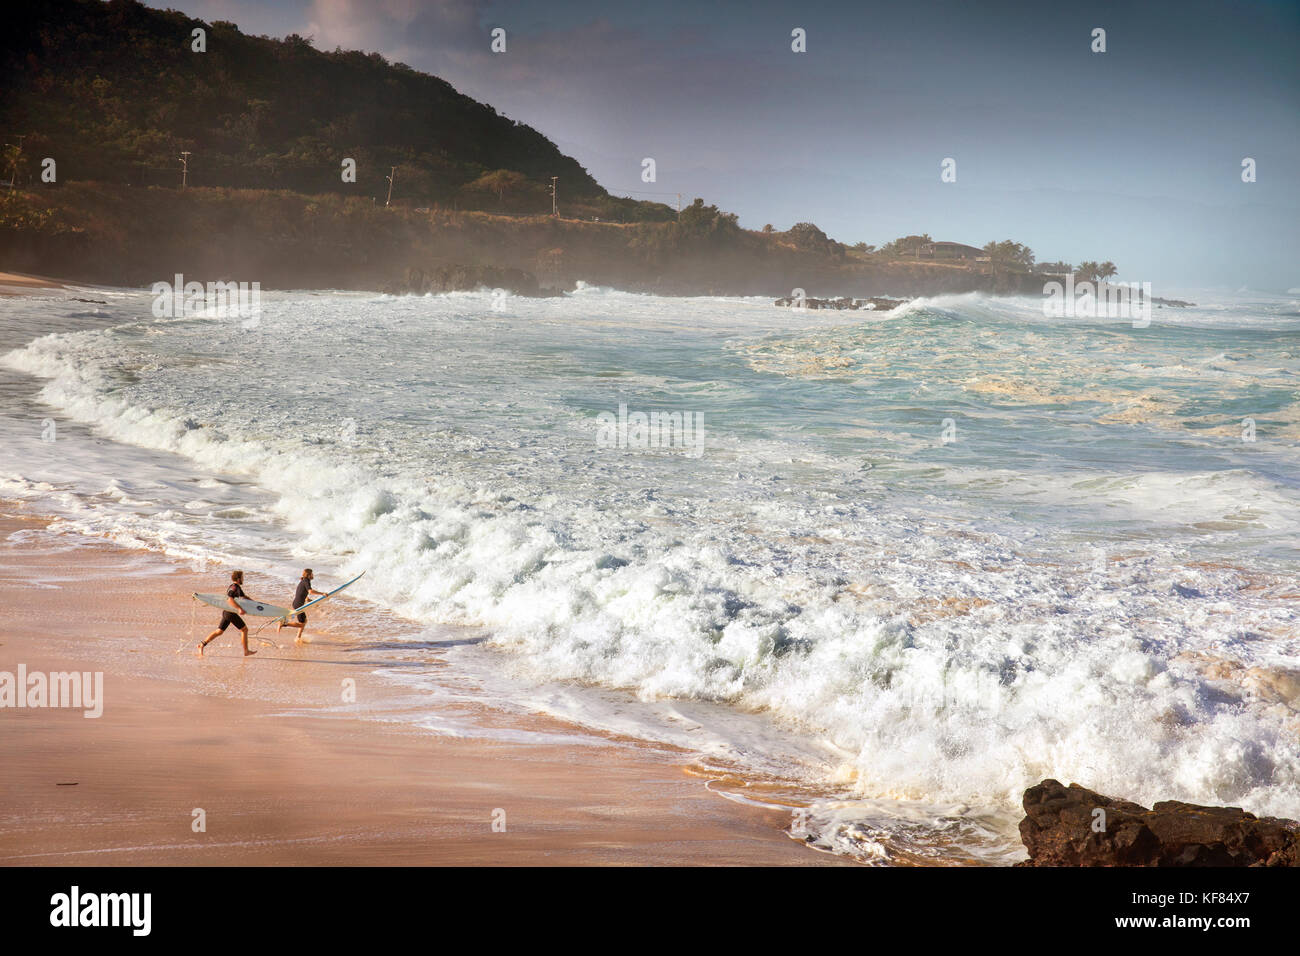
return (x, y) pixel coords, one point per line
(21, 283)
(280, 769)
(545, 605)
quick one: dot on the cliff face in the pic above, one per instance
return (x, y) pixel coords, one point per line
(119, 235)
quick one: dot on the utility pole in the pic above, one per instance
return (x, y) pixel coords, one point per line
(390, 177)
(185, 167)
(13, 170)
(555, 211)
(679, 206)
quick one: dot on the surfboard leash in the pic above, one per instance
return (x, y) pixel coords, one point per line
(194, 612)
(194, 616)
(262, 628)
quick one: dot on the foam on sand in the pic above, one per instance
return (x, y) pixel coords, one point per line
(936, 623)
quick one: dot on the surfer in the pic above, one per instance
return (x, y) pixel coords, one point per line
(231, 617)
(299, 599)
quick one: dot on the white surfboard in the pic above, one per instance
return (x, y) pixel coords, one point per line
(251, 607)
(325, 597)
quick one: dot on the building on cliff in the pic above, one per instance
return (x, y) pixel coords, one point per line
(951, 250)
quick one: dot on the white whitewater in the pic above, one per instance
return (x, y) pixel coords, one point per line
(924, 560)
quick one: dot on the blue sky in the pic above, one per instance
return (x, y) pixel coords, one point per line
(1132, 155)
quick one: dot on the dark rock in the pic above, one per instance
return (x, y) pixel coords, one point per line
(1058, 830)
(813, 303)
(463, 278)
(879, 304)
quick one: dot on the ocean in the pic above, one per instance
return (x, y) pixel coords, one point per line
(890, 568)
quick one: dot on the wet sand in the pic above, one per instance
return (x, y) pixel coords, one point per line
(285, 771)
(17, 283)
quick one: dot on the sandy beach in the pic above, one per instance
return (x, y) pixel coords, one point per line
(283, 770)
(917, 492)
(17, 283)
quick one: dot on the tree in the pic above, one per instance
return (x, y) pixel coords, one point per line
(1093, 272)
(1008, 254)
(9, 164)
(906, 245)
(807, 237)
(499, 182)
(698, 219)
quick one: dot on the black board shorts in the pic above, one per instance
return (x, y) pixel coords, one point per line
(301, 618)
(229, 618)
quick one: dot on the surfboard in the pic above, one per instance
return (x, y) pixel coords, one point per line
(251, 607)
(327, 596)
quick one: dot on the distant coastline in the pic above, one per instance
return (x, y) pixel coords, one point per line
(133, 236)
(269, 161)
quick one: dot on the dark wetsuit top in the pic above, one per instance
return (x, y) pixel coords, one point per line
(230, 617)
(300, 598)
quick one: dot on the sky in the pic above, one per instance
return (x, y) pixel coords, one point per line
(1133, 154)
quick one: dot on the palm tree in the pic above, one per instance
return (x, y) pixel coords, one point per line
(1106, 270)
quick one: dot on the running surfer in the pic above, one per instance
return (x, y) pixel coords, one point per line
(228, 618)
(299, 599)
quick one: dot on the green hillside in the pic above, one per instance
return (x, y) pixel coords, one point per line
(114, 92)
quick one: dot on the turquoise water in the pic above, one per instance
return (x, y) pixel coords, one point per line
(926, 557)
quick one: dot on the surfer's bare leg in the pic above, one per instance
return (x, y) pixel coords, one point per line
(300, 625)
(208, 640)
(244, 635)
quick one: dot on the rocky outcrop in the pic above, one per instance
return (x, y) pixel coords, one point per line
(877, 303)
(463, 278)
(1074, 826)
(881, 304)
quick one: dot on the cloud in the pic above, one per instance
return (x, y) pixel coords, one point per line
(390, 25)
(850, 134)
